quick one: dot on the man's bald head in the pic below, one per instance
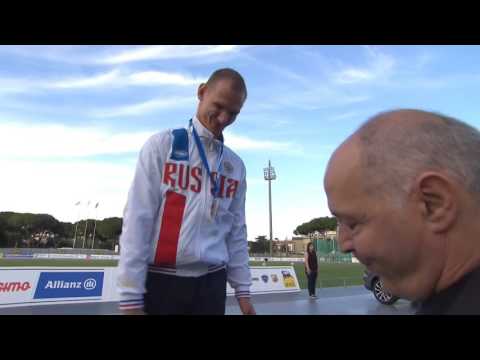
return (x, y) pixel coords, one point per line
(396, 146)
(405, 188)
(232, 76)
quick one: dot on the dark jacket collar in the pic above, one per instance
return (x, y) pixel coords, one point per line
(462, 298)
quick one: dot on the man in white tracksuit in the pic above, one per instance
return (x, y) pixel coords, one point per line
(184, 233)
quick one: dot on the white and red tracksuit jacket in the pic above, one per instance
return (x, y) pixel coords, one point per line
(167, 226)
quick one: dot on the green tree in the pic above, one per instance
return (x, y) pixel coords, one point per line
(3, 235)
(15, 227)
(260, 245)
(109, 228)
(318, 224)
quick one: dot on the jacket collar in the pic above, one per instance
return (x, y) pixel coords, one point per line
(203, 132)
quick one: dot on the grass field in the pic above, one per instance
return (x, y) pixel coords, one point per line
(329, 275)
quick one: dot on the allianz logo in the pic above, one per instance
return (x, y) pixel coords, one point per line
(88, 284)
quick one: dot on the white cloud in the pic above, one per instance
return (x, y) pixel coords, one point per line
(167, 52)
(37, 181)
(349, 76)
(378, 65)
(47, 141)
(72, 54)
(290, 207)
(116, 78)
(87, 82)
(146, 107)
(346, 115)
(238, 142)
(163, 78)
(54, 187)
(255, 181)
(113, 78)
(285, 218)
(320, 97)
(116, 54)
(16, 85)
(279, 70)
(29, 141)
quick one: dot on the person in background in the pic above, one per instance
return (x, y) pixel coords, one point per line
(311, 269)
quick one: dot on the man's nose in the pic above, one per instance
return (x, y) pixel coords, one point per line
(225, 118)
(344, 239)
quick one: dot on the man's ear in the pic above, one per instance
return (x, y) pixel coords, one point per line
(201, 91)
(438, 198)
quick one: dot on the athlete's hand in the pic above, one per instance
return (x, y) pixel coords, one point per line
(133, 312)
(246, 306)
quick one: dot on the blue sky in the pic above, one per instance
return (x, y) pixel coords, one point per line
(73, 118)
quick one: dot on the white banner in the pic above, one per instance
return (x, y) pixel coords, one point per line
(67, 256)
(41, 256)
(281, 259)
(26, 286)
(104, 257)
(271, 279)
(18, 256)
(76, 256)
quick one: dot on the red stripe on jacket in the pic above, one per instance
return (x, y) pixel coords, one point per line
(170, 229)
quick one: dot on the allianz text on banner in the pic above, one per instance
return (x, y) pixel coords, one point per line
(58, 285)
